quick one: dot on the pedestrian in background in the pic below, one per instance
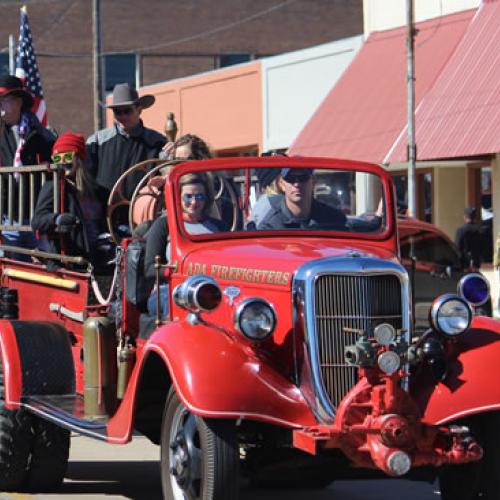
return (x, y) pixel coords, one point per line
(469, 241)
(496, 265)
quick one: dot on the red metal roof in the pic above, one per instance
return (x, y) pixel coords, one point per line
(460, 115)
(365, 112)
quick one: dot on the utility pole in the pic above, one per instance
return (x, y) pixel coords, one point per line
(97, 63)
(412, 148)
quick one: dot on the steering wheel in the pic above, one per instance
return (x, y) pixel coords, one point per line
(117, 197)
(146, 189)
(224, 187)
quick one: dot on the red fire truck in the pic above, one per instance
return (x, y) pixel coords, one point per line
(287, 355)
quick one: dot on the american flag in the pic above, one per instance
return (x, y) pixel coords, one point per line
(27, 68)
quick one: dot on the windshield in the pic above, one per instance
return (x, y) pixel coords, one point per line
(281, 199)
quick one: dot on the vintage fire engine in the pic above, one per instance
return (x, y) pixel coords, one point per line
(288, 355)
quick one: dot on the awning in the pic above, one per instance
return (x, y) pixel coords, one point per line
(364, 114)
(460, 115)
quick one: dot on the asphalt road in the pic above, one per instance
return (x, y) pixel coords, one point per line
(100, 471)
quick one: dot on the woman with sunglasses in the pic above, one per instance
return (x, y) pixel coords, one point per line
(196, 202)
(76, 225)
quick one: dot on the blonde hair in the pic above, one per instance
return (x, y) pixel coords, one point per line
(84, 183)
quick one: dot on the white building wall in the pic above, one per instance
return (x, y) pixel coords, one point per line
(295, 84)
(381, 15)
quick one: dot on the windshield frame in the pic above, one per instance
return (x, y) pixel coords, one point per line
(173, 201)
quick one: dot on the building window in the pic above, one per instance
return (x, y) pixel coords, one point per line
(4, 64)
(120, 68)
(233, 58)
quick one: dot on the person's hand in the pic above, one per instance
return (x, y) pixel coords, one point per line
(168, 150)
(66, 222)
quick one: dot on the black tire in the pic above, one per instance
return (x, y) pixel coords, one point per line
(478, 479)
(49, 456)
(199, 457)
(15, 444)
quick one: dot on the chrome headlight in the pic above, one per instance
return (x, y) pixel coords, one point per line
(255, 318)
(198, 293)
(474, 288)
(450, 315)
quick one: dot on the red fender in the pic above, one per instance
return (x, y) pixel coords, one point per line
(471, 385)
(11, 363)
(216, 376)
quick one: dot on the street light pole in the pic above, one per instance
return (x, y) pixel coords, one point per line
(412, 148)
(96, 59)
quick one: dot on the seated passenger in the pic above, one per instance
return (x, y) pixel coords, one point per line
(196, 201)
(74, 229)
(298, 209)
(269, 195)
(186, 147)
(150, 199)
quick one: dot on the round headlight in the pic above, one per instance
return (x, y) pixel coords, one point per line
(474, 288)
(384, 334)
(255, 318)
(389, 362)
(198, 293)
(450, 315)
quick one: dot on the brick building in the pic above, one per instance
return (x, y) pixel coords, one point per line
(174, 39)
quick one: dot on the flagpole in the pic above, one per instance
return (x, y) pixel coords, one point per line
(97, 66)
(12, 55)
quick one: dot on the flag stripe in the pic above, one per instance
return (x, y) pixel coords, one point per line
(27, 68)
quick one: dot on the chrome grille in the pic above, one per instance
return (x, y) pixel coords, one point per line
(350, 301)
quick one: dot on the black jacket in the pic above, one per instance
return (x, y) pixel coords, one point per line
(76, 242)
(36, 150)
(156, 244)
(469, 240)
(111, 152)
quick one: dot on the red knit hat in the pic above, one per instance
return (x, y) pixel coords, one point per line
(70, 142)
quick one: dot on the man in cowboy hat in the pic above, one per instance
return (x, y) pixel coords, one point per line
(15, 109)
(113, 150)
(23, 141)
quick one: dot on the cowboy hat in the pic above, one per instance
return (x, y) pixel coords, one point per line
(125, 95)
(11, 85)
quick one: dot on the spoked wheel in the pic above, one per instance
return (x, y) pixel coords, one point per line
(149, 192)
(199, 457)
(119, 201)
(477, 480)
(226, 200)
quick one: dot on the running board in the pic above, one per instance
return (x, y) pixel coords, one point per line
(67, 411)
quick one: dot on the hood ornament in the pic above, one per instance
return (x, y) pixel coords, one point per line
(231, 292)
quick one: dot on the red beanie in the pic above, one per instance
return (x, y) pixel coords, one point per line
(70, 142)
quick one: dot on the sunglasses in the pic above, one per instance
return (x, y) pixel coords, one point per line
(297, 178)
(123, 111)
(63, 157)
(188, 197)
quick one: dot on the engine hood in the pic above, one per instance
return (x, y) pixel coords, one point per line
(268, 261)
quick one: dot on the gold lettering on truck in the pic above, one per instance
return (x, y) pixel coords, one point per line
(247, 274)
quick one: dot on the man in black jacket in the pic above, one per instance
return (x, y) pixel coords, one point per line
(112, 151)
(23, 141)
